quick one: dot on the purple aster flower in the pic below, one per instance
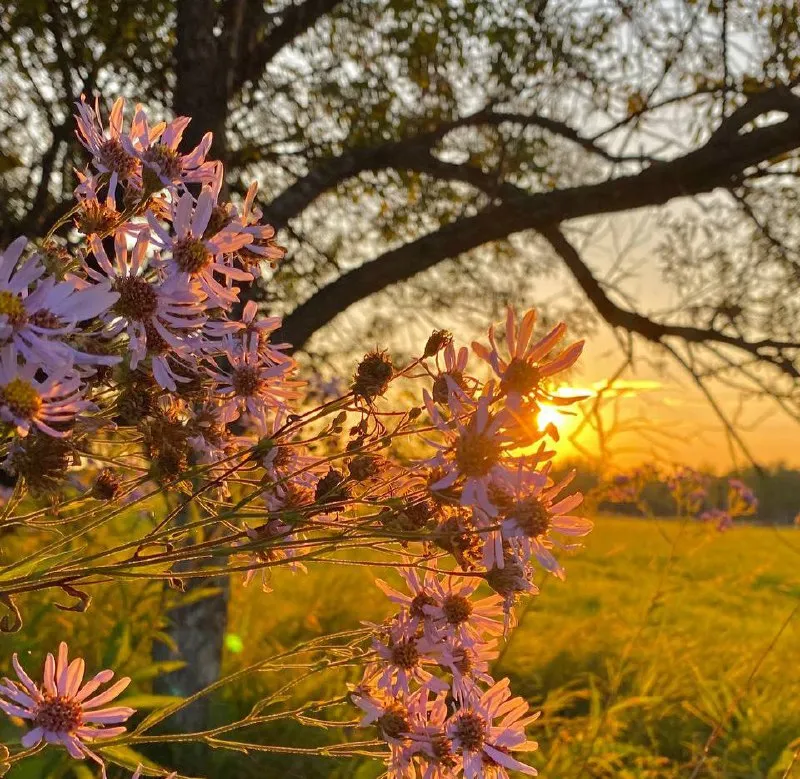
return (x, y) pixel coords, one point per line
(63, 710)
(484, 745)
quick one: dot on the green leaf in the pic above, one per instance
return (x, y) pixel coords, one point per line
(233, 643)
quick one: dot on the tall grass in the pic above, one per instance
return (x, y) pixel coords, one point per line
(632, 685)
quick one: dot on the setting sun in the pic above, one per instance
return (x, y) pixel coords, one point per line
(549, 415)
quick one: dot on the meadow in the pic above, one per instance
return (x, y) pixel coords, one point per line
(660, 631)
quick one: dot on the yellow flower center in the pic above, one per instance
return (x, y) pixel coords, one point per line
(191, 255)
(476, 454)
(21, 398)
(247, 381)
(12, 306)
(457, 609)
(532, 516)
(521, 377)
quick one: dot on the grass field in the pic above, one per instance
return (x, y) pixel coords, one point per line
(633, 659)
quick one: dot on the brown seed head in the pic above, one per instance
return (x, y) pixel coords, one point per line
(532, 517)
(470, 730)
(160, 158)
(112, 156)
(520, 376)
(457, 609)
(191, 255)
(59, 714)
(476, 454)
(107, 485)
(437, 341)
(95, 218)
(137, 298)
(373, 375)
(332, 488)
(394, 721)
(364, 467)
(405, 654)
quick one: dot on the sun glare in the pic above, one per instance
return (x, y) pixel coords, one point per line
(549, 415)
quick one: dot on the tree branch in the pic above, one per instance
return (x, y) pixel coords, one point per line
(258, 49)
(702, 170)
(766, 350)
(411, 153)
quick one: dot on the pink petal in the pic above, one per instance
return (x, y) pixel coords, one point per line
(540, 349)
(15, 711)
(109, 695)
(511, 326)
(73, 746)
(567, 504)
(74, 677)
(202, 214)
(109, 716)
(183, 214)
(62, 663)
(572, 526)
(50, 675)
(85, 732)
(525, 331)
(26, 680)
(507, 761)
(32, 738)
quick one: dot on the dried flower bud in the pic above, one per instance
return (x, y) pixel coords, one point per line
(373, 375)
(57, 259)
(441, 386)
(221, 216)
(96, 218)
(166, 443)
(133, 197)
(365, 466)
(437, 341)
(509, 580)
(411, 518)
(331, 488)
(136, 400)
(107, 485)
(414, 413)
(42, 461)
(419, 513)
(457, 535)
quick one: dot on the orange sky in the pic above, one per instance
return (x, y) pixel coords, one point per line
(648, 416)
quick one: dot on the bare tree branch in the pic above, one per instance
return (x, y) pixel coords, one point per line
(258, 48)
(702, 170)
(412, 154)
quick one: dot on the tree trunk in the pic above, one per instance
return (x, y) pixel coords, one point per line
(198, 628)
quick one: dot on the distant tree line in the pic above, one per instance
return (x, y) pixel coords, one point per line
(777, 488)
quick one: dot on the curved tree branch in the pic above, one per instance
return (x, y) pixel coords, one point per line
(766, 350)
(702, 170)
(413, 153)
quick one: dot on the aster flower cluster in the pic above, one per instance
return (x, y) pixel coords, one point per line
(131, 365)
(430, 693)
(491, 468)
(489, 502)
(739, 501)
(138, 316)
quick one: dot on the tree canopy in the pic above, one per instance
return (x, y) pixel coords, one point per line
(464, 151)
